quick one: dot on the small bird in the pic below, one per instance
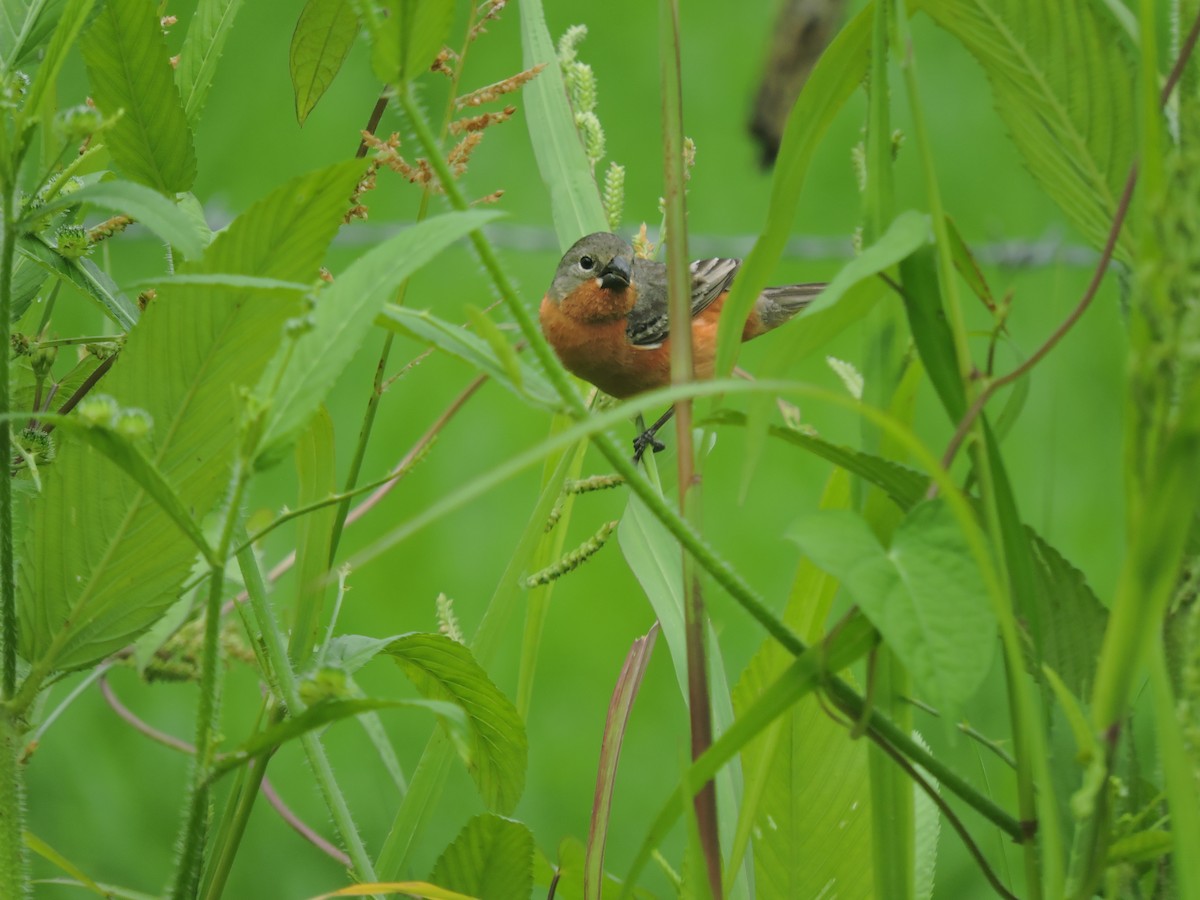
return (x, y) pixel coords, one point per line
(606, 316)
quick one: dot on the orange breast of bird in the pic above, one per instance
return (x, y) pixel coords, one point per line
(588, 333)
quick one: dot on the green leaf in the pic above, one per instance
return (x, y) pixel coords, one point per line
(505, 354)
(652, 554)
(925, 594)
(574, 201)
(24, 26)
(206, 36)
(320, 714)
(224, 279)
(71, 21)
(492, 859)
(1072, 618)
(132, 460)
(931, 330)
(406, 39)
(149, 207)
(1060, 76)
(813, 827)
(28, 278)
(837, 75)
(344, 315)
(324, 34)
(83, 275)
(472, 349)
(183, 364)
(443, 669)
(126, 58)
(316, 473)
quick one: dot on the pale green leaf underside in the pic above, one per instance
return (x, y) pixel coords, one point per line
(24, 26)
(182, 364)
(924, 593)
(1062, 81)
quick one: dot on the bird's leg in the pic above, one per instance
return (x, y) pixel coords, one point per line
(646, 436)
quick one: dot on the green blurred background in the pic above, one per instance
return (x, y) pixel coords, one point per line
(111, 800)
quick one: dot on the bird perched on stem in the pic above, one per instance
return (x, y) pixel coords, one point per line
(605, 315)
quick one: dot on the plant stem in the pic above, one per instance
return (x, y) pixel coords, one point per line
(679, 299)
(284, 684)
(14, 869)
(8, 587)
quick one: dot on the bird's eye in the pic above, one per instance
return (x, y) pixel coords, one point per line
(586, 263)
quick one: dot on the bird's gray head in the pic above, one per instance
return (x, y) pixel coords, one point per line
(602, 256)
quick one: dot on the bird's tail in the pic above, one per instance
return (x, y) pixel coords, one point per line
(778, 304)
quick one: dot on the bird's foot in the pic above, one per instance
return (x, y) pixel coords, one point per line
(644, 440)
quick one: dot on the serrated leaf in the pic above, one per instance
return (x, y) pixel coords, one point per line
(492, 859)
(324, 35)
(1072, 619)
(813, 827)
(84, 276)
(345, 313)
(67, 26)
(924, 593)
(144, 205)
(472, 349)
(206, 36)
(574, 201)
(27, 279)
(270, 739)
(443, 669)
(182, 364)
(407, 37)
(1060, 77)
(24, 27)
(127, 61)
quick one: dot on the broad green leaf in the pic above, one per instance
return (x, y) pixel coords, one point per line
(144, 205)
(125, 453)
(567, 873)
(492, 857)
(405, 40)
(1061, 81)
(344, 315)
(206, 36)
(183, 364)
(472, 349)
(574, 201)
(24, 26)
(317, 474)
(126, 58)
(74, 14)
(835, 78)
(324, 34)
(813, 827)
(270, 739)
(803, 676)
(84, 276)
(443, 669)
(924, 593)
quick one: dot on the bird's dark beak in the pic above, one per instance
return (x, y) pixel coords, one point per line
(617, 274)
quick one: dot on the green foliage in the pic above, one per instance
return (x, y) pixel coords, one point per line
(492, 859)
(924, 593)
(202, 47)
(406, 35)
(178, 365)
(127, 63)
(324, 34)
(1060, 80)
(24, 26)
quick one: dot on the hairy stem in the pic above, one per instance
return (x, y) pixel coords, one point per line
(8, 586)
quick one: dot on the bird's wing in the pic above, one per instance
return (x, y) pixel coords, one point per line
(648, 320)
